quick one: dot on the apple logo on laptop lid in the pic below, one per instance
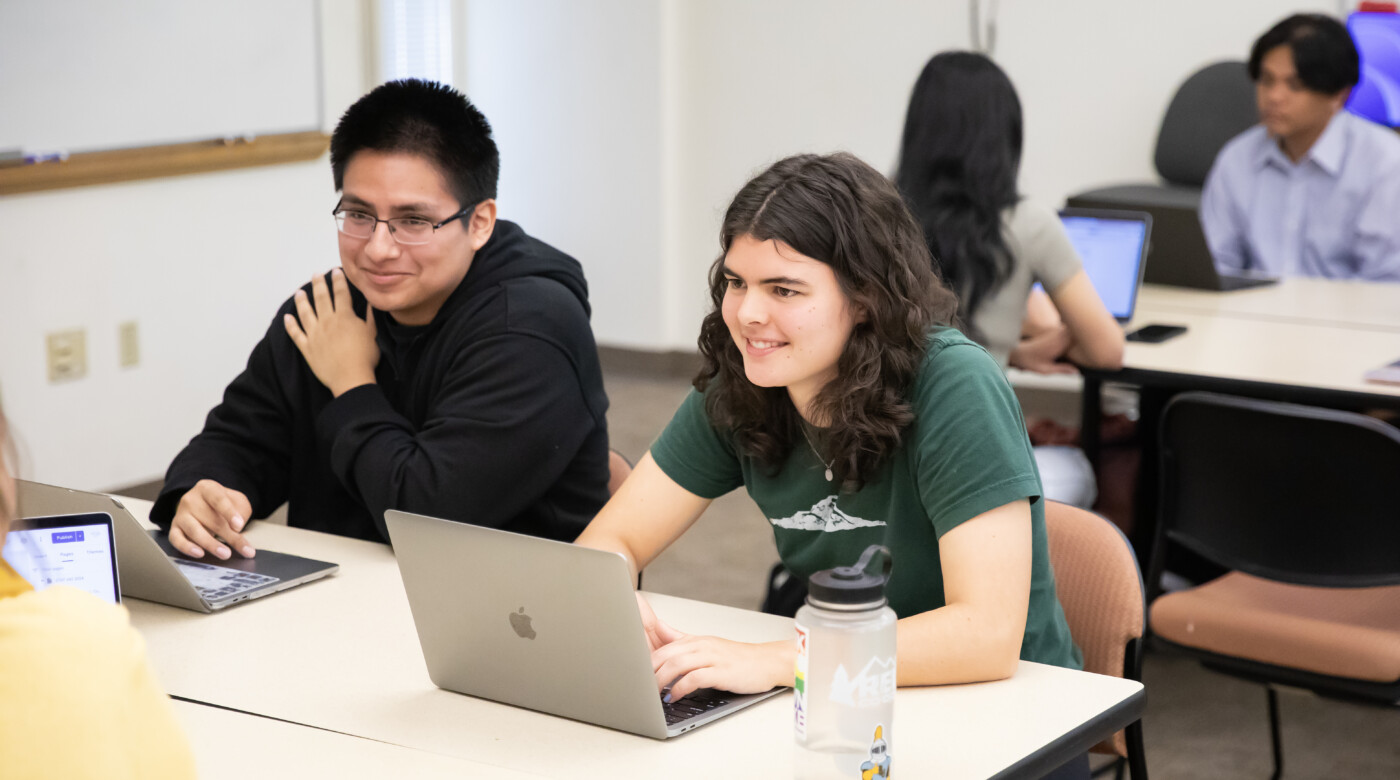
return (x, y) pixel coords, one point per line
(520, 622)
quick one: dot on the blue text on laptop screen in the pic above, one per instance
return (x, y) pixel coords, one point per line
(79, 556)
(1111, 250)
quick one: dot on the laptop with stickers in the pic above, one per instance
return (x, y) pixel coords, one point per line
(151, 569)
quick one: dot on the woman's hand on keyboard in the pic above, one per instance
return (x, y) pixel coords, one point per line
(689, 662)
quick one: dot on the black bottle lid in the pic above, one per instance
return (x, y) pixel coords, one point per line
(852, 586)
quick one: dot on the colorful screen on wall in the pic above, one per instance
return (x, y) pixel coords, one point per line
(1377, 96)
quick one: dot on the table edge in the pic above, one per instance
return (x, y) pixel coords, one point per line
(1304, 394)
(1077, 740)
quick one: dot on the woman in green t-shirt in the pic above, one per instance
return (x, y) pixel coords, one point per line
(835, 393)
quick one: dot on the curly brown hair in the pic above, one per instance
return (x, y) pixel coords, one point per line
(838, 210)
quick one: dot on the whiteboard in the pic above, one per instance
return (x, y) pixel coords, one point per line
(91, 75)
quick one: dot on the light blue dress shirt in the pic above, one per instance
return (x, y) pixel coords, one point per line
(1333, 214)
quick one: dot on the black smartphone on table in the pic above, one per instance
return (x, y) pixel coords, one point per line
(1155, 334)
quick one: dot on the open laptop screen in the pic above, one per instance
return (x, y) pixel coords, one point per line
(1112, 245)
(73, 550)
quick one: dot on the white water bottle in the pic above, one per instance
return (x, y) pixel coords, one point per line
(844, 689)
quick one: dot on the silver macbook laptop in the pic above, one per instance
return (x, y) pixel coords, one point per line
(151, 569)
(540, 624)
(78, 551)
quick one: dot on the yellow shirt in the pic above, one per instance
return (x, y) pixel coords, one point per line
(77, 696)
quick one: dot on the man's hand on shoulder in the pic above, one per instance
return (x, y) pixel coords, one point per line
(209, 517)
(338, 346)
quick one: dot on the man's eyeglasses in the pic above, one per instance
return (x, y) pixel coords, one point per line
(409, 231)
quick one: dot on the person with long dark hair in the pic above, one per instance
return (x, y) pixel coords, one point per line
(834, 391)
(958, 164)
(959, 159)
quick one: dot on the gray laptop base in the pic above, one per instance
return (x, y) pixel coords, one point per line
(152, 570)
(534, 623)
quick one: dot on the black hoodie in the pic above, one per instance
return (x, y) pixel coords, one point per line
(492, 414)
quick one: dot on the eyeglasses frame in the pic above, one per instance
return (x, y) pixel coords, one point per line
(339, 207)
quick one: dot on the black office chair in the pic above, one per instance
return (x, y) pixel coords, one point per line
(1300, 503)
(619, 468)
(1212, 106)
(784, 592)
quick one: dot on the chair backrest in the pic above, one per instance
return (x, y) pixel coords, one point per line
(618, 469)
(1214, 105)
(1286, 492)
(1100, 588)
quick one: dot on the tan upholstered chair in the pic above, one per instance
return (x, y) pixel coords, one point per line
(618, 469)
(1100, 587)
(1299, 502)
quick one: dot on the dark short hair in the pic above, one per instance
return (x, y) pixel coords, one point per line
(431, 120)
(840, 211)
(1323, 53)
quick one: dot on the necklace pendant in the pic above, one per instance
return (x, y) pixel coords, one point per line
(828, 475)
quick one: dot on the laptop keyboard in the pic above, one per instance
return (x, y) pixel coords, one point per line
(216, 583)
(697, 703)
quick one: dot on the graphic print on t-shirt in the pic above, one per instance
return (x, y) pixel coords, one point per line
(824, 516)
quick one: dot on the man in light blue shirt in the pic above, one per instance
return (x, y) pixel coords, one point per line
(1312, 190)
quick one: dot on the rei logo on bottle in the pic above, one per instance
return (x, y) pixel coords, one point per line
(874, 685)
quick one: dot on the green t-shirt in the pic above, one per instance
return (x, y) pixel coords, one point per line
(965, 453)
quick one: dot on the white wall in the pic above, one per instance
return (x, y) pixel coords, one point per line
(200, 262)
(759, 81)
(621, 118)
(625, 128)
(573, 93)
(1095, 77)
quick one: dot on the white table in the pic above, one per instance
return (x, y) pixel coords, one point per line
(1276, 357)
(342, 654)
(231, 745)
(1350, 304)
(1307, 341)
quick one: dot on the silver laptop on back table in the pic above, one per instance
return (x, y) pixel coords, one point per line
(151, 569)
(540, 624)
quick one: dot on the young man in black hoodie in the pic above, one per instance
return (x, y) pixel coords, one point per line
(469, 390)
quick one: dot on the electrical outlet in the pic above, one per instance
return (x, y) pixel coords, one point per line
(129, 341)
(67, 355)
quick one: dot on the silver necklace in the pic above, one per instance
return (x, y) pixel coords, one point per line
(814, 451)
